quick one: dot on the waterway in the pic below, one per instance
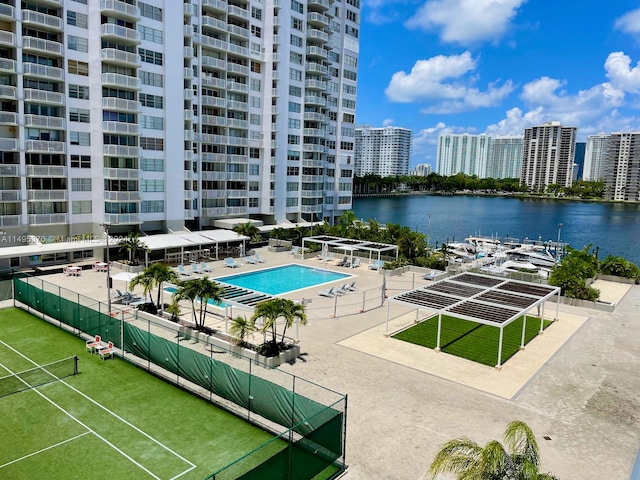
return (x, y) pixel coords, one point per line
(613, 228)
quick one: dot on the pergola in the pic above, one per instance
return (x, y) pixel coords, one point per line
(192, 240)
(350, 245)
(481, 299)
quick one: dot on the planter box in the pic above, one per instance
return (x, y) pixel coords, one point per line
(394, 272)
(613, 278)
(128, 268)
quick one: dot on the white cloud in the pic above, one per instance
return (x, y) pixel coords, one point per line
(441, 79)
(629, 22)
(466, 21)
(380, 12)
(620, 73)
(388, 121)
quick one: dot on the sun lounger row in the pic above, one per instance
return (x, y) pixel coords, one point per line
(127, 297)
(334, 291)
(346, 262)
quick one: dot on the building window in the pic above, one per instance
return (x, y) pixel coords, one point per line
(295, 74)
(256, 31)
(349, 75)
(255, 84)
(80, 184)
(254, 202)
(80, 138)
(79, 115)
(152, 206)
(79, 91)
(152, 164)
(255, 67)
(149, 56)
(149, 11)
(148, 143)
(152, 185)
(254, 119)
(152, 79)
(78, 68)
(256, 13)
(254, 102)
(155, 123)
(293, 139)
(294, 107)
(292, 202)
(297, 6)
(295, 91)
(80, 161)
(352, 32)
(296, 58)
(153, 101)
(297, 24)
(293, 155)
(294, 123)
(293, 186)
(77, 19)
(77, 43)
(254, 169)
(79, 207)
(296, 41)
(150, 34)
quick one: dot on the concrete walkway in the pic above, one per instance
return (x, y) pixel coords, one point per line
(577, 384)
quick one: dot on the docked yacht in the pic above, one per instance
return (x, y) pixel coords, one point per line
(538, 255)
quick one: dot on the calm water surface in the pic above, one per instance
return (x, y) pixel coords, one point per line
(615, 229)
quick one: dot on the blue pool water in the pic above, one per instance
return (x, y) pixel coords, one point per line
(284, 279)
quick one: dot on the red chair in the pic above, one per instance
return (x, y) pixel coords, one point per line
(107, 351)
(93, 344)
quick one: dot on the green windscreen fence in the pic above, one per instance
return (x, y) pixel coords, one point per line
(315, 431)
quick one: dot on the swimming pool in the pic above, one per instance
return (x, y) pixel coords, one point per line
(283, 279)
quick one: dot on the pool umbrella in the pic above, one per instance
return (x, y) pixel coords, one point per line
(125, 277)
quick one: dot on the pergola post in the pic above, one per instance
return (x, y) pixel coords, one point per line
(542, 321)
(499, 365)
(557, 308)
(439, 331)
(417, 315)
(524, 328)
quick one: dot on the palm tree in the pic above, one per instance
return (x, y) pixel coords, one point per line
(241, 328)
(247, 229)
(201, 289)
(467, 460)
(133, 246)
(146, 281)
(269, 311)
(161, 273)
(292, 311)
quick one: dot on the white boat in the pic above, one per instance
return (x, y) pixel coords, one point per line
(537, 254)
(512, 266)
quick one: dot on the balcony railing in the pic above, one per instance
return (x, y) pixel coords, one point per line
(121, 196)
(46, 171)
(213, 194)
(122, 173)
(44, 71)
(119, 80)
(43, 121)
(237, 12)
(32, 43)
(237, 210)
(10, 195)
(214, 175)
(121, 151)
(8, 118)
(48, 218)
(7, 11)
(44, 146)
(47, 195)
(11, 170)
(9, 144)
(33, 95)
(122, 218)
(113, 55)
(120, 9)
(7, 38)
(10, 221)
(214, 211)
(7, 91)
(121, 127)
(42, 19)
(7, 65)
(112, 103)
(120, 33)
(217, 5)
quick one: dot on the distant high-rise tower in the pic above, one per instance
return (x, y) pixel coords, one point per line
(548, 155)
(622, 177)
(578, 161)
(384, 151)
(422, 170)
(462, 153)
(505, 157)
(595, 157)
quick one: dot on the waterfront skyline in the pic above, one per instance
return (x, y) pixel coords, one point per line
(483, 66)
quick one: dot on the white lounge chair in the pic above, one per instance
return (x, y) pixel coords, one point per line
(355, 263)
(195, 268)
(331, 292)
(377, 265)
(294, 251)
(352, 286)
(205, 268)
(251, 259)
(182, 271)
(231, 263)
(258, 258)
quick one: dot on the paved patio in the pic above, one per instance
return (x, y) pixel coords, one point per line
(577, 384)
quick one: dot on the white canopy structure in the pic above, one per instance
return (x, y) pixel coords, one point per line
(351, 245)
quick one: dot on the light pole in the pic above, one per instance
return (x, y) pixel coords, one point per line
(106, 231)
(429, 233)
(558, 244)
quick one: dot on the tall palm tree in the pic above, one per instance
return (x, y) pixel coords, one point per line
(241, 328)
(133, 246)
(247, 229)
(161, 273)
(200, 289)
(146, 281)
(467, 460)
(269, 311)
(292, 311)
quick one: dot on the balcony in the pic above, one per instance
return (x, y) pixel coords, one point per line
(8, 118)
(214, 212)
(235, 105)
(317, 52)
(46, 171)
(189, 156)
(110, 196)
(188, 73)
(239, 141)
(315, 100)
(40, 45)
(189, 10)
(311, 208)
(188, 115)
(214, 175)
(320, 5)
(312, 178)
(235, 68)
(8, 92)
(7, 38)
(45, 147)
(188, 51)
(237, 12)
(237, 87)
(11, 221)
(236, 193)
(312, 163)
(238, 176)
(10, 195)
(43, 71)
(112, 103)
(315, 117)
(190, 175)
(42, 20)
(121, 151)
(190, 214)
(214, 24)
(9, 144)
(188, 94)
(238, 31)
(43, 121)
(122, 218)
(7, 65)
(118, 80)
(318, 35)
(47, 195)
(314, 132)
(11, 170)
(214, 62)
(121, 128)
(121, 173)
(214, 157)
(120, 57)
(48, 218)
(120, 34)
(235, 123)
(213, 101)
(316, 68)
(42, 96)
(315, 85)
(212, 194)
(190, 195)
(120, 9)
(315, 19)
(187, 31)
(237, 210)
(189, 136)
(217, 6)
(7, 12)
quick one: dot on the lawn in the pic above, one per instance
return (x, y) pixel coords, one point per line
(112, 419)
(470, 340)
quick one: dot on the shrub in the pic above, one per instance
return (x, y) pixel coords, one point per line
(619, 267)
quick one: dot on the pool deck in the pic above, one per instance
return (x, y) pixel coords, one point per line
(577, 383)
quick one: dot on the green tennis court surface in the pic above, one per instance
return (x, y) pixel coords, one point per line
(110, 420)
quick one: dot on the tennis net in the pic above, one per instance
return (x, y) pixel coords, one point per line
(41, 375)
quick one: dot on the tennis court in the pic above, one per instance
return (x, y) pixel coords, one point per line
(111, 419)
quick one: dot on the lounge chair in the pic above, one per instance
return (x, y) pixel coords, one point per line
(355, 263)
(352, 286)
(377, 265)
(106, 351)
(258, 258)
(343, 289)
(344, 262)
(182, 271)
(251, 259)
(231, 263)
(195, 268)
(331, 292)
(205, 268)
(294, 251)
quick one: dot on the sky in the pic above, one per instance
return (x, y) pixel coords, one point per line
(498, 67)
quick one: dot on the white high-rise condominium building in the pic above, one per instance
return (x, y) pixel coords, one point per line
(463, 153)
(622, 176)
(384, 151)
(595, 157)
(422, 170)
(163, 114)
(548, 155)
(505, 157)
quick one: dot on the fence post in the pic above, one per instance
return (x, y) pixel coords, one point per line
(335, 306)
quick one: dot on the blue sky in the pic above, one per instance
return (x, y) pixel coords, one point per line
(498, 66)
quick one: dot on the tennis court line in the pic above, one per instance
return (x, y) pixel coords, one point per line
(191, 464)
(44, 449)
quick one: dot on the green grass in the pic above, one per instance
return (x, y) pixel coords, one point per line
(112, 419)
(470, 340)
